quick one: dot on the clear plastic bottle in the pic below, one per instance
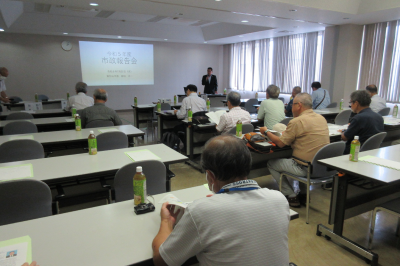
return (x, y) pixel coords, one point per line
(92, 143)
(239, 128)
(139, 187)
(190, 114)
(78, 126)
(354, 149)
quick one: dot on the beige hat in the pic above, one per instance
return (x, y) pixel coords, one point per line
(279, 128)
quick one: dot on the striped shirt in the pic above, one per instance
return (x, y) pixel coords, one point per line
(235, 228)
(230, 119)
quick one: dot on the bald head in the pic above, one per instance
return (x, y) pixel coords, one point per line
(227, 157)
(3, 71)
(100, 95)
(372, 89)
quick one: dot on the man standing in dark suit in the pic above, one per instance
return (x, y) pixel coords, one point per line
(210, 82)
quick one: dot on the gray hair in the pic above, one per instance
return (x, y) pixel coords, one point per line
(273, 91)
(362, 97)
(227, 157)
(234, 98)
(305, 99)
(100, 94)
(81, 87)
(297, 89)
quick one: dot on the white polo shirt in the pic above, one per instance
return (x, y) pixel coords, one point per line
(2, 85)
(80, 101)
(230, 119)
(192, 101)
(377, 103)
(234, 228)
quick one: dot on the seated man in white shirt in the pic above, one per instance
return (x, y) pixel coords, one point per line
(81, 100)
(229, 120)
(242, 224)
(377, 102)
(191, 101)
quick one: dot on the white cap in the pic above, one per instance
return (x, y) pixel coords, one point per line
(91, 132)
(76, 115)
(138, 169)
(355, 137)
(73, 104)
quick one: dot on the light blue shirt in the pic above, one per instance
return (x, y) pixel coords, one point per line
(317, 97)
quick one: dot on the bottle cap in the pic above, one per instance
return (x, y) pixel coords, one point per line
(91, 132)
(139, 169)
(355, 137)
(77, 115)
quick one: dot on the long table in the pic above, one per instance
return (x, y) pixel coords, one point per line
(66, 137)
(107, 235)
(143, 113)
(352, 196)
(39, 113)
(50, 104)
(60, 169)
(46, 124)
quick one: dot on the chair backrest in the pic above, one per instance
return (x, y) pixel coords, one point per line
(373, 142)
(249, 105)
(15, 99)
(385, 111)
(246, 128)
(286, 120)
(343, 117)
(331, 150)
(19, 116)
(282, 99)
(19, 127)
(42, 97)
(200, 113)
(24, 199)
(112, 140)
(20, 150)
(156, 178)
(165, 106)
(332, 105)
(99, 123)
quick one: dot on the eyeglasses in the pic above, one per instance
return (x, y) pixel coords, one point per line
(351, 102)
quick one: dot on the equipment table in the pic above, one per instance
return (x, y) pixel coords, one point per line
(39, 113)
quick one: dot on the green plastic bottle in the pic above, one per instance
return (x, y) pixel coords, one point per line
(208, 104)
(73, 111)
(341, 104)
(78, 126)
(158, 106)
(354, 149)
(256, 95)
(174, 99)
(67, 95)
(92, 143)
(135, 101)
(239, 128)
(395, 110)
(190, 114)
(36, 97)
(225, 91)
(139, 187)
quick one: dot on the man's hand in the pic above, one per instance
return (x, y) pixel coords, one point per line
(6, 100)
(32, 264)
(263, 129)
(168, 213)
(175, 111)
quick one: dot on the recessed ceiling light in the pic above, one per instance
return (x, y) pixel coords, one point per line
(205, 42)
(320, 23)
(245, 21)
(217, 0)
(94, 4)
(165, 39)
(346, 18)
(65, 33)
(292, 10)
(119, 37)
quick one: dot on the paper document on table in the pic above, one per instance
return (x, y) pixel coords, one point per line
(334, 129)
(70, 120)
(17, 171)
(21, 137)
(104, 130)
(391, 121)
(16, 251)
(381, 162)
(215, 117)
(142, 155)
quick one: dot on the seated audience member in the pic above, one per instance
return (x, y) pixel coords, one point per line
(242, 224)
(80, 100)
(229, 120)
(377, 102)
(365, 124)
(320, 96)
(272, 109)
(191, 101)
(306, 133)
(99, 111)
(288, 109)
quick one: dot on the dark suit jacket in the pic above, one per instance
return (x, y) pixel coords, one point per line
(210, 88)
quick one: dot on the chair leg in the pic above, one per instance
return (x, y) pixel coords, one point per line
(398, 227)
(372, 228)
(308, 200)
(280, 183)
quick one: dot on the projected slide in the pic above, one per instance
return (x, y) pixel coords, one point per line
(107, 64)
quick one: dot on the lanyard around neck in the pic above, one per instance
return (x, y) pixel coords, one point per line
(226, 190)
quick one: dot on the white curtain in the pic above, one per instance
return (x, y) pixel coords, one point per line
(380, 59)
(284, 61)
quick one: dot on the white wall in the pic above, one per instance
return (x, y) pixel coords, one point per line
(37, 64)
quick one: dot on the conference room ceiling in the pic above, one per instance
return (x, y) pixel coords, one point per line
(189, 21)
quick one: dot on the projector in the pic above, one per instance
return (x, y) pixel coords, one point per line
(165, 101)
